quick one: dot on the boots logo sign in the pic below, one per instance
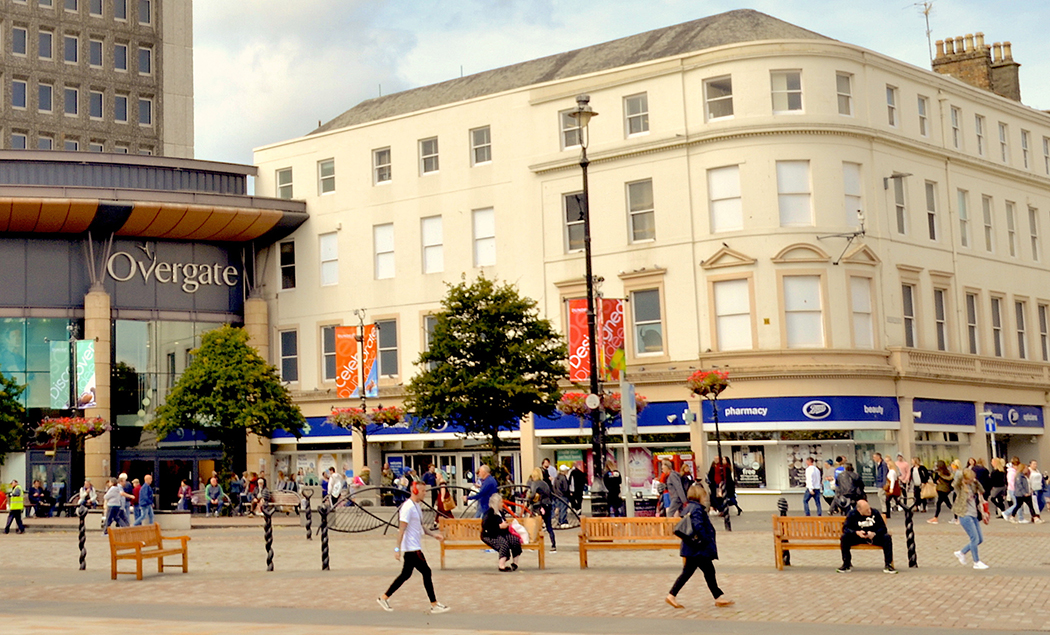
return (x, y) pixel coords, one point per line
(124, 266)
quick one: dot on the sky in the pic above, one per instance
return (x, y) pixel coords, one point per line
(271, 70)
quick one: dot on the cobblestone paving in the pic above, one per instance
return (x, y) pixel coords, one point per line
(228, 569)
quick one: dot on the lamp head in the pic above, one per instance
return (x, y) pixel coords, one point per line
(583, 112)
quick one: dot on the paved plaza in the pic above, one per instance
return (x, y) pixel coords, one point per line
(229, 590)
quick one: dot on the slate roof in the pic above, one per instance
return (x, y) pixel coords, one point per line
(743, 25)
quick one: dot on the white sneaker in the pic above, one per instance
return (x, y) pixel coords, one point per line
(961, 556)
(385, 604)
(439, 608)
(1024, 521)
(979, 565)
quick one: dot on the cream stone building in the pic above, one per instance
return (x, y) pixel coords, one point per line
(729, 161)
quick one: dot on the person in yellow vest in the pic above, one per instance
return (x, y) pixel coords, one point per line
(15, 505)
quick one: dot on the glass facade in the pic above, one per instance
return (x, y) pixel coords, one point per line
(25, 345)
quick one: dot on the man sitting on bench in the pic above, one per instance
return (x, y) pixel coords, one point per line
(864, 525)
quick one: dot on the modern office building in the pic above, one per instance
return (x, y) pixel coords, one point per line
(729, 161)
(97, 76)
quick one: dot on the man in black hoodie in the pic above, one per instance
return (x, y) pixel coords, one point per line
(864, 525)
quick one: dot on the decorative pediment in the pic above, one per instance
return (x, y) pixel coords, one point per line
(727, 257)
(801, 252)
(862, 255)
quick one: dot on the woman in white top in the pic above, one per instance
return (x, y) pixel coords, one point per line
(893, 488)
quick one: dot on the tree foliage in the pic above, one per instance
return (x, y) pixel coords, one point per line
(491, 360)
(229, 391)
(12, 417)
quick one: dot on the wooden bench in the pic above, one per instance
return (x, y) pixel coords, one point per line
(199, 503)
(808, 532)
(144, 541)
(465, 533)
(626, 533)
(284, 500)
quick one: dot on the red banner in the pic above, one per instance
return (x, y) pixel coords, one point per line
(579, 355)
(610, 340)
(348, 374)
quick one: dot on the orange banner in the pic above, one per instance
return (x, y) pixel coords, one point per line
(348, 374)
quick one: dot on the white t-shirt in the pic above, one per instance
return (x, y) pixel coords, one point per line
(813, 476)
(891, 478)
(413, 538)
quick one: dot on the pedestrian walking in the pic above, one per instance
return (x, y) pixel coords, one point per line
(942, 478)
(15, 505)
(409, 550)
(1035, 478)
(541, 502)
(997, 491)
(919, 476)
(144, 509)
(699, 551)
(968, 506)
(114, 499)
(813, 480)
(892, 488)
(1022, 497)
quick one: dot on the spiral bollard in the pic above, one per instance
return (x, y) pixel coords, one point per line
(909, 536)
(267, 511)
(82, 514)
(324, 509)
(782, 507)
(309, 514)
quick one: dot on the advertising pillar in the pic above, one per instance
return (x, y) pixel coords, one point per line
(257, 324)
(98, 329)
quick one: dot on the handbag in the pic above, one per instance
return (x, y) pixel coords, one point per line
(684, 528)
(984, 512)
(928, 490)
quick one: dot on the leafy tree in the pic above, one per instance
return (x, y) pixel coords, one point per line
(491, 360)
(228, 390)
(12, 417)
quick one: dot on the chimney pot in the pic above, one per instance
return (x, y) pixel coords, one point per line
(980, 40)
(969, 42)
(1007, 52)
(949, 47)
(940, 49)
(997, 52)
(959, 47)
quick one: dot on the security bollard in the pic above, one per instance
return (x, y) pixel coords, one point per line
(782, 506)
(909, 536)
(82, 514)
(267, 511)
(324, 509)
(309, 515)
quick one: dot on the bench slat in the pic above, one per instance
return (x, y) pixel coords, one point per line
(807, 532)
(626, 533)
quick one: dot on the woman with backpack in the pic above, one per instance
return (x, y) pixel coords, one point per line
(698, 550)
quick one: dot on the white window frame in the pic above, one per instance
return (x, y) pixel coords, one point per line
(286, 266)
(325, 176)
(786, 91)
(429, 156)
(91, 8)
(800, 311)
(1011, 228)
(1046, 154)
(732, 308)
(863, 312)
(900, 206)
(718, 100)
(923, 106)
(387, 329)
(724, 199)
(96, 146)
(76, 49)
(100, 45)
(328, 354)
(433, 250)
(149, 61)
(116, 108)
(636, 114)
(328, 258)
(647, 323)
(117, 66)
(1033, 232)
(17, 41)
(1020, 323)
(1025, 154)
(932, 221)
(283, 183)
(70, 145)
(908, 314)
(145, 6)
(978, 127)
(973, 332)
(964, 217)
(76, 101)
(289, 356)
(956, 122)
(382, 171)
(637, 212)
(383, 250)
(50, 49)
(1004, 142)
(1044, 330)
(24, 145)
(45, 97)
(484, 230)
(145, 112)
(24, 104)
(575, 225)
(853, 193)
(940, 317)
(481, 145)
(988, 216)
(845, 99)
(44, 142)
(570, 132)
(120, 10)
(996, 312)
(791, 195)
(892, 97)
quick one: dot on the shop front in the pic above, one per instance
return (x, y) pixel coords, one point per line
(943, 429)
(1019, 429)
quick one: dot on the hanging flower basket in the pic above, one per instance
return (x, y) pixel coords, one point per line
(708, 383)
(348, 418)
(66, 428)
(611, 403)
(574, 403)
(388, 416)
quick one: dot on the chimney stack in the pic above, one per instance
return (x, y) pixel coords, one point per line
(969, 59)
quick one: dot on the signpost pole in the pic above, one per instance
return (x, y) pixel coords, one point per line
(628, 426)
(991, 428)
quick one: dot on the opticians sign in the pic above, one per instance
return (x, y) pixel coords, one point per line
(1014, 416)
(124, 266)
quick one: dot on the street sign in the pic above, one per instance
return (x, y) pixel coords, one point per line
(989, 423)
(593, 401)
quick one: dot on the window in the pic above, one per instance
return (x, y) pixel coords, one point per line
(45, 97)
(284, 183)
(899, 206)
(1020, 309)
(429, 324)
(19, 93)
(71, 145)
(844, 88)
(46, 3)
(571, 135)
(18, 141)
(19, 38)
(45, 45)
(326, 176)
(860, 304)
(95, 146)
(636, 114)
(971, 323)
(1004, 145)
(908, 310)
(45, 143)
(989, 230)
(723, 191)
(289, 355)
(718, 97)
(145, 61)
(381, 171)
(71, 46)
(428, 155)
(978, 126)
(95, 53)
(891, 105)
(383, 240)
(793, 193)
(480, 146)
(120, 9)
(1046, 154)
(1011, 229)
(72, 101)
(648, 326)
(95, 104)
(964, 218)
(573, 206)
(329, 258)
(786, 91)
(1044, 332)
(121, 149)
(803, 319)
(1033, 231)
(852, 189)
(956, 116)
(387, 347)
(145, 13)
(145, 151)
(997, 327)
(120, 57)
(120, 108)
(145, 111)
(924, 123)
(71, 5)
(1024, 147)
(733, 314)
(940, 318)
(95, 7)
(640, 210)
(287, 250)
(433, 249)
(484, 237)
(328, 367)
(931, 209)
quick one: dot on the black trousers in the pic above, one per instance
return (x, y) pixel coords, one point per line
(14, 515)
(414, 560)
(849, 540)
(945, 499)
(690, 567)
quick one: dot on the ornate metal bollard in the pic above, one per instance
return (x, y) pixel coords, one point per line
(267, 511)
(909, 536)
(782, 506)
(324, 509)
(82, 515)
(309, 514)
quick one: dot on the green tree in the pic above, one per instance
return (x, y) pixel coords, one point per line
(228, 391)
(491, 360)
(12, 417)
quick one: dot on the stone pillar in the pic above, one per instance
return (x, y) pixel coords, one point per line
(980, 444)
(530, 447)
(1042, 453)
(906, 434)
(98, 327)
(258, 457)
(697, 437)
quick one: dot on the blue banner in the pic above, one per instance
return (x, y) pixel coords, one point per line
(1009, 416)
(945, 413)
(764, 410)
(663, 413)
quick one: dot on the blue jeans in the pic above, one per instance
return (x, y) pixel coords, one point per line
(210, 507)
(1015, 507)
(811, 494)
(144, 515)
(563, 510)
(1040, 501)
(973, 530)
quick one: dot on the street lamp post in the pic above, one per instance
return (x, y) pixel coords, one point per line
(583, 115)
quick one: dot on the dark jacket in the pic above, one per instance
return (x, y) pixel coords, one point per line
(703, 542)
(539, 494)
(880, 473)
(984, 477)
(146, 495)
(490, 525)
(924, 475)
(997, 478)
(855, 522)
(561, 485)
(577, 481)
(488, 487)
(849, 485)
(613, 483)
(677, 492)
